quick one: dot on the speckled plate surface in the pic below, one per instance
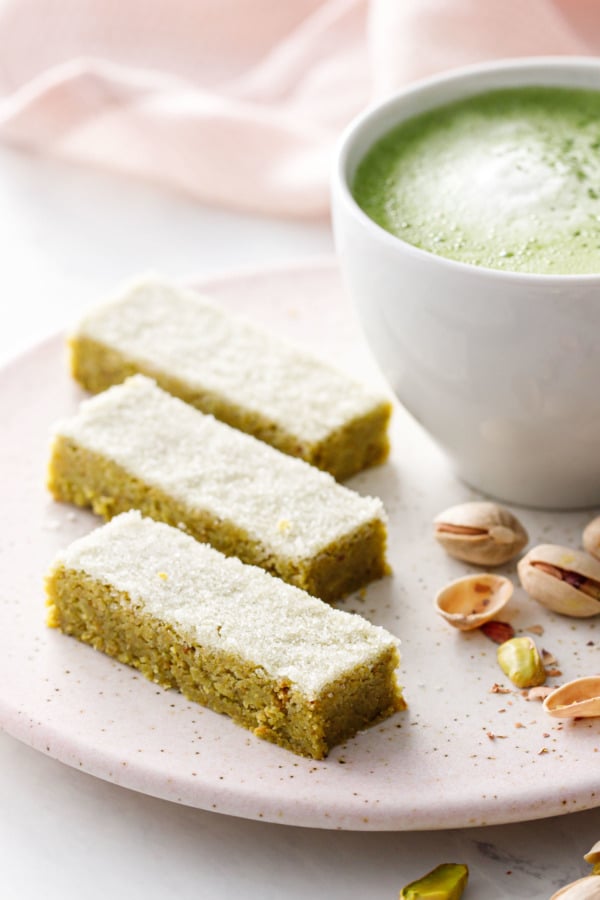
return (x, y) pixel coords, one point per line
(461, 755)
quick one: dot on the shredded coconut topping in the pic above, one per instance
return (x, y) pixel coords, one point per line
(218, 602)
(290, 507)
(169, 329)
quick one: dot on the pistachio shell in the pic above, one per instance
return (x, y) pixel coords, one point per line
(587, 888)
(593, 854)
(578, 698)
(564, 580)
(480, 532)
(591, 537)
(446, 882)
(468, 602)
(520, 660)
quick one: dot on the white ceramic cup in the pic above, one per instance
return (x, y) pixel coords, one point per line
(502, 369)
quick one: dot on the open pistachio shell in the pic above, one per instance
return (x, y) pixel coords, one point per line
(480, 532)
(564, 580)
(591, 537)
(468, 602)
(587, 888)
(593, 854)
(578, 698)
(446, 882)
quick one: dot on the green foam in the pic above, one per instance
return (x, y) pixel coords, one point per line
(508, 179)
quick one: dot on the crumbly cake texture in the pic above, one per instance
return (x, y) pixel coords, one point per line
(136, 446)
(287, 666)
(226, 366)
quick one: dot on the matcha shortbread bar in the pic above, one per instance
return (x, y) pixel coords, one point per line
(229, 636)
(242, 375)
(136, 446)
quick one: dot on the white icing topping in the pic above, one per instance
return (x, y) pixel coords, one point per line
(164, 328)
(219, 602)
(293, 509)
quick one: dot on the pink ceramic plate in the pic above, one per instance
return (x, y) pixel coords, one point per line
(461, 755)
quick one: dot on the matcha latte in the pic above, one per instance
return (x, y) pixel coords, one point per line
(508, 179)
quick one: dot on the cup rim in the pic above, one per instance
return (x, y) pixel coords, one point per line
(467, 74)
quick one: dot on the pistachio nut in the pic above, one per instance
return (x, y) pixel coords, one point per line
(520, 660)
(480, 532)
(446, 882)
(472, 600)
(564, 580)
(587, 888)
(591, 537)
(576, 699)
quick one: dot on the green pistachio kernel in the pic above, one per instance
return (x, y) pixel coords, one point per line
(445, 882)
(520, 660)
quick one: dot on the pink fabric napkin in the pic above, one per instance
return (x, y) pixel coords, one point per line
(240, 102)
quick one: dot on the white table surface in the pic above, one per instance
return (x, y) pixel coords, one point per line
(68, 235)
